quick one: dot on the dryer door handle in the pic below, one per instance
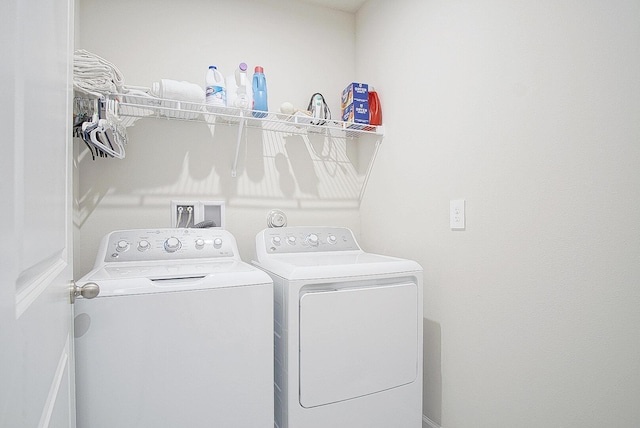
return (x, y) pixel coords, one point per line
(88, 291)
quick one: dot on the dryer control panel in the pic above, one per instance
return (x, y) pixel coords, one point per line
(166, 244)
(306, 239)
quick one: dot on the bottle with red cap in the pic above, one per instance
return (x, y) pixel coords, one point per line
(259, 88)
(375, 110)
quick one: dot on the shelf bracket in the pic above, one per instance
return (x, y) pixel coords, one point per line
(369, 169)
(235, 161)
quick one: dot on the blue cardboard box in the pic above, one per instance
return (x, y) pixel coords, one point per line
(355, 103)
(354, 92)
(356, 112)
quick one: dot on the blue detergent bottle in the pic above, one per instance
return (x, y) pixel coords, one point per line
(259, 87)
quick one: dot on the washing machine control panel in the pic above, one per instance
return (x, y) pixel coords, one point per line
(306, 239)
(168, 244)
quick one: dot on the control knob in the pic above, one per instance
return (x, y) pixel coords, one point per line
(199, 243)
(312, 239)
(331, 239)
(276, 240)
(122, 245)
(172, 244)
(143, 245)
(217, 243)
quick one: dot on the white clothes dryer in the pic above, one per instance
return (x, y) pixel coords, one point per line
(347, 331)
(179, 335)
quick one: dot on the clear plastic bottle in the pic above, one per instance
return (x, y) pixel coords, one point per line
(215, 91)
(375, 110)
(238, 88)
(259, 88)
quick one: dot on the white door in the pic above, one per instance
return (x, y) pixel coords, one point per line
(36, 342)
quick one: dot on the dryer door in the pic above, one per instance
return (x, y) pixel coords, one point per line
(358, 341)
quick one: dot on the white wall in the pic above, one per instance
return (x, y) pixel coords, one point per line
(528, 110)
(303, 49)
(531, 112)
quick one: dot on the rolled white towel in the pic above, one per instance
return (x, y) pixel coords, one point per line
(178, 90)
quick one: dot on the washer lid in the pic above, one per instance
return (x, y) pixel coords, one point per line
(334, 265)
(118, 279)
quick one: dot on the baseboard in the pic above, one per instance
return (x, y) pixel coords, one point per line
(428, 423)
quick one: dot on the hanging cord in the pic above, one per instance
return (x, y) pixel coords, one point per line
(327, 159)
(321, 113)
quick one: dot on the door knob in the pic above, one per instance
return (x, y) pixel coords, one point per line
(88, 291)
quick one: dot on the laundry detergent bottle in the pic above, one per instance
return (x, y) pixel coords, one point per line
(239, 93)
(215, 93)
(259, 88)
(375, 110)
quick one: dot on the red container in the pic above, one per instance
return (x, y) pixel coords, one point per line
(375, 110)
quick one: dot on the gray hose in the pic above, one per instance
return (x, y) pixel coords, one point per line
(205, 224)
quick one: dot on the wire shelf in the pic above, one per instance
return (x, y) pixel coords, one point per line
(133, 107)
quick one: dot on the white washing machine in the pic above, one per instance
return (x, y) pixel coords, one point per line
(180, 334)
(347, 331)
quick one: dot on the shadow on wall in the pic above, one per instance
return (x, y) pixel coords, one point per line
(432, 378)
(194, 159)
